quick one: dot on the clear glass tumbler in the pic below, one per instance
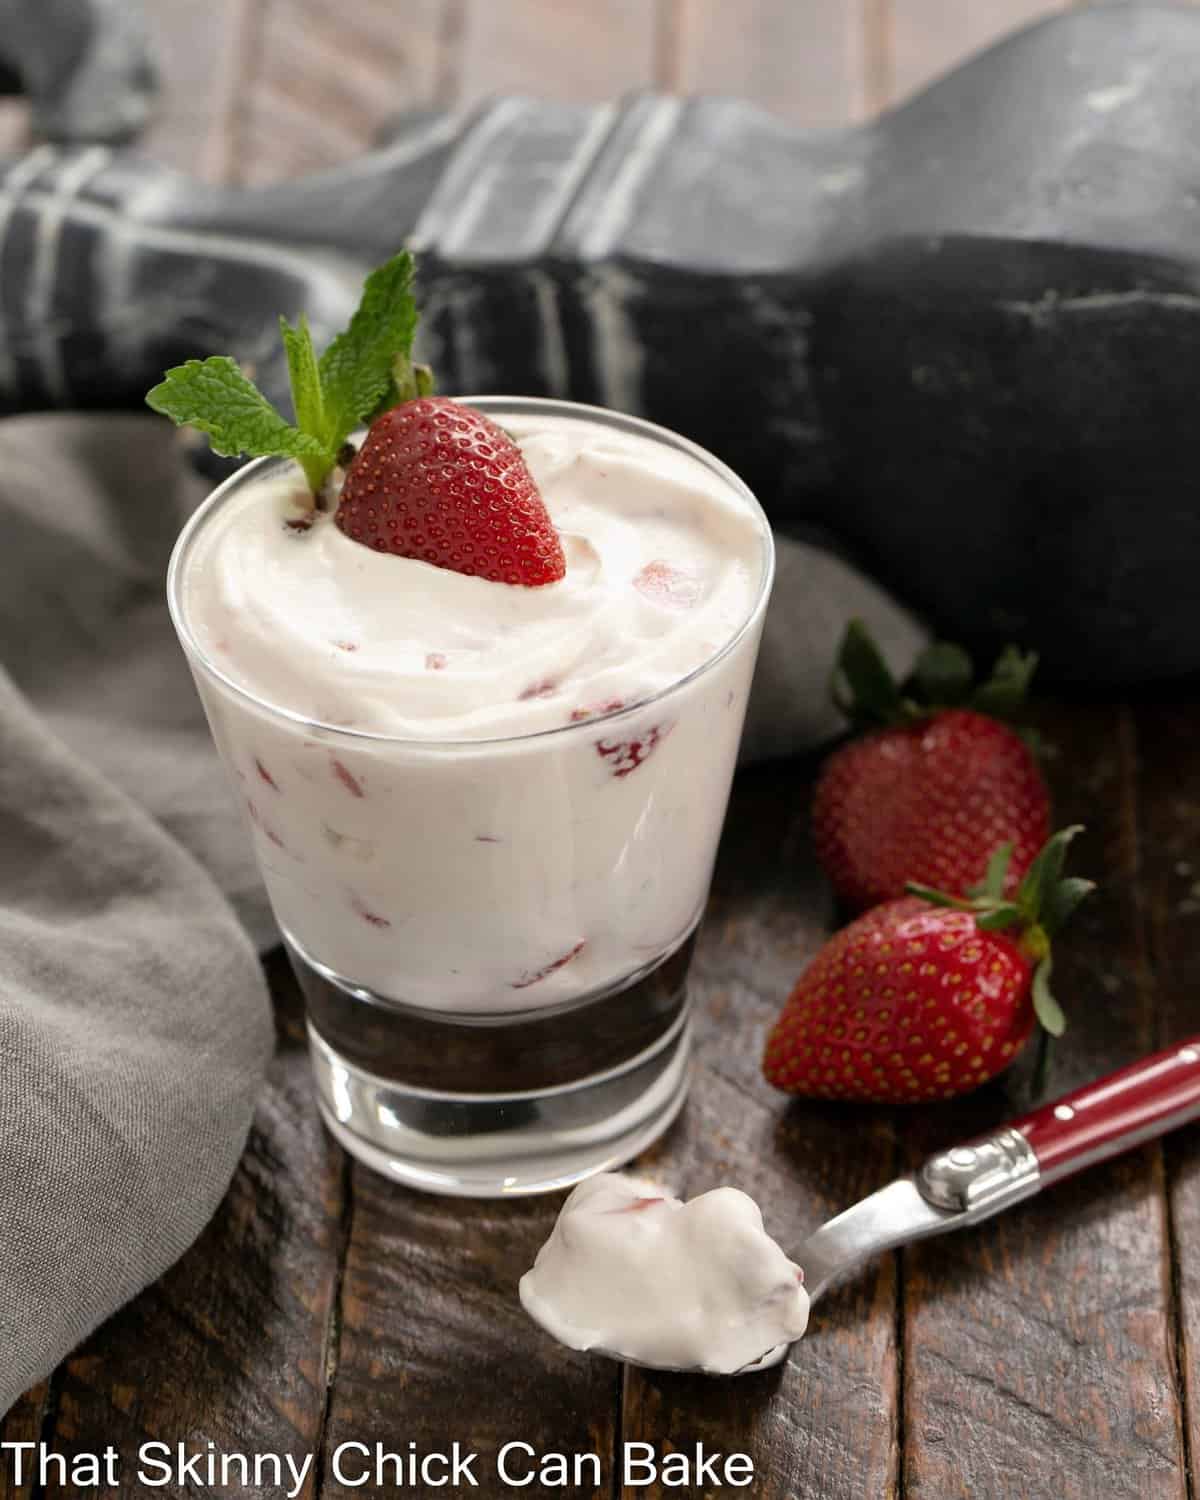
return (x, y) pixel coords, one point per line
(492, 936)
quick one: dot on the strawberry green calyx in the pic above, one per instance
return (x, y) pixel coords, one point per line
(407, 382)
(1041, 907)
(365, 370)
(864, 689)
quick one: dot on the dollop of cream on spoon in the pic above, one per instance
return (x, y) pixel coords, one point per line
(633, 1272)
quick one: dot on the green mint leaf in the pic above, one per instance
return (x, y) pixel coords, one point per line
(357, 369)
(1045, 1006)
(305, 378)
(214, 396)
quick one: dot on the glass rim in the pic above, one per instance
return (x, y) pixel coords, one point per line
(492, 404)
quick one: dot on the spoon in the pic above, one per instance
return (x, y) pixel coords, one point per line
(967, 1183)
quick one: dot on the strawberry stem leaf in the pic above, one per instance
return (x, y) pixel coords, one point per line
(1045, 874)
(936, 897)
(1045, 1006)
(942, 675)
(408, 381)
(1062, 900)
(865, 691)
(1044, 902)
(1005, 691)
(863, 687)
(998, 917)
(992, 883)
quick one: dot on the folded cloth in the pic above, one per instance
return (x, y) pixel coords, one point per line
(134, 1024)
(816, 591)
(134, 1021)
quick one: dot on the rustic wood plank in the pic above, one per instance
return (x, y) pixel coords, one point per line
(554, 51)
(1168, 733)
(231, 1344)
(23, 1424)
(319, 81)
(805, 61)
(877, 55)
(925, 38)
(434, 1347)
(1038, 1354)
(826, 1424)
(196, 48)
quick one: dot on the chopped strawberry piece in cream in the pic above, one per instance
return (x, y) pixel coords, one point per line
(551, 968)
(594, 710)
(372, 918)
(347, 777)
(669, 587)
(265, 775)
(625, 756)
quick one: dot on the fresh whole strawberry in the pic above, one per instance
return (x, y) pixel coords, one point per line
(439, 481)
(935, 785)
(928, 996)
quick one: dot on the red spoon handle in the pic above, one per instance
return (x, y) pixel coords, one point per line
(1115, 1113)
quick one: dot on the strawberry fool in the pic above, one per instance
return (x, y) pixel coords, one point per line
(472, 796)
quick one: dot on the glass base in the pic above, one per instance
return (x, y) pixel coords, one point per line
(575, 1090)
(496, 1146)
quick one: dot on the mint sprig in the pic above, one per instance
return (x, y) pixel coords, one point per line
(214, 396)
(357, 369)
(304, 377)
(365, 370)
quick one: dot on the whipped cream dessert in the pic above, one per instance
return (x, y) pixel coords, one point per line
(470, 795)
(663, 565)
(631, 1271)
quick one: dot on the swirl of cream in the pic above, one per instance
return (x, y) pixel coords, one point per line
(663, 568)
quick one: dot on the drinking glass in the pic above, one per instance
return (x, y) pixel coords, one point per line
(492, 935)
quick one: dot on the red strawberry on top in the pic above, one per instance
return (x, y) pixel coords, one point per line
(920, 1001)
(438, 481)
(935, 785)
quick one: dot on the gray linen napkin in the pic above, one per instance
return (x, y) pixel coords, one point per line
(134, 1024)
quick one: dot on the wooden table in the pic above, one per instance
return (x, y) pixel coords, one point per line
(1050, 1353)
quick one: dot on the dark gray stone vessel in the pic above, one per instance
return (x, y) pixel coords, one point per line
(964, 339)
